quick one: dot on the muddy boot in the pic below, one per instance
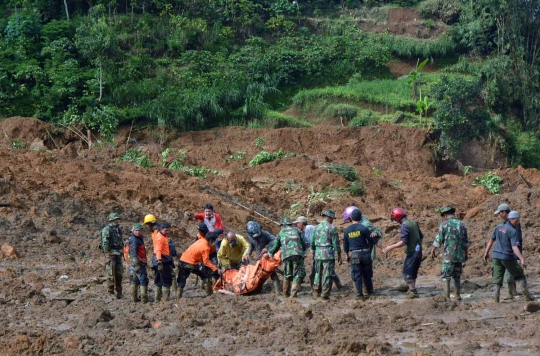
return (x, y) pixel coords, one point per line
(295, 288)
(337, 281)
(286, 288)
(446, 289)
(144, 294)
(277, 287)
(134, 290)
(325, 294)
(208, 287)
(179, 292)
(360, 297)
(412, 294)
(457, 292)
(157, 295)
(118, 286)
(512, 291)
(166, 294)
(525, 290)
(496, 293)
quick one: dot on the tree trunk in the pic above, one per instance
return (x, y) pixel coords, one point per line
(100, 82)
(67, 10)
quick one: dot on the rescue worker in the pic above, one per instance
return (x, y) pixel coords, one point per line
(307, 233)
(411, 239)
(212, 220)
(293, 249)
(162, 263)
(197, 253)
(151, 223)
(261, 240)
(358, 240)
(452, 236)
(505, 256)
(375, 232)
(325, 245)
(503, 210)
(233, 251)
(112, 244)
(138, 260)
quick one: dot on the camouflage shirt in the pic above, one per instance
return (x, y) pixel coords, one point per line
(325, 241)
(111, 240)
(372, 229)
(290, 241)
(452, 235)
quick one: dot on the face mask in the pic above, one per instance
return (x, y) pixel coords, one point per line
(115, 224)
(233, 243)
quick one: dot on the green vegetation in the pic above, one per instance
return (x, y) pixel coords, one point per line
(265, 156)
(18, 145)
(356, 189)
(344, 170)
(238, 156)
(177, 164)
(259, 142)
(202, 64)
(491, 181)
(137, 157)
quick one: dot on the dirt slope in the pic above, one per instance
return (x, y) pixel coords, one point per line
(62, 193)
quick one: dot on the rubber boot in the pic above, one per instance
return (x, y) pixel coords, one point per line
(144, 294)
(157, 295)
(179, 292)
(337, 281)
(512, 291)
(208, 287)
(496, 293)
(412, 293)
(118, 285)
(525, 290)
(325, 294)
(286, 288)
(294, 289)
(277, 287)
(166, 294)
(134, 290)
(446, 289)
(457, 292)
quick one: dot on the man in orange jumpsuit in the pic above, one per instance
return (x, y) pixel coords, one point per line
(162, 263)
(197, 253)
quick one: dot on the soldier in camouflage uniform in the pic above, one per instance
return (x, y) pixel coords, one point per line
(293, 250)
(112, 244)
(325, 245)
(452, 235)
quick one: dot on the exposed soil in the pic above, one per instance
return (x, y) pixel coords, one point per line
(61, 193)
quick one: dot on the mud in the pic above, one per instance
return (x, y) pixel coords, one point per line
(61, 194)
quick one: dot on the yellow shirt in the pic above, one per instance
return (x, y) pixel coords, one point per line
(229, 255)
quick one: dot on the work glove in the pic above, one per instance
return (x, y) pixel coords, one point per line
(160, 266)
(245, 259)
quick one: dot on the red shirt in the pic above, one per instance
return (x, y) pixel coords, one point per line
(214, 223)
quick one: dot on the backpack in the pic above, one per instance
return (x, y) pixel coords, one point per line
(100, 246)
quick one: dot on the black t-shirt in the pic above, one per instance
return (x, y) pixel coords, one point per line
(356, 237)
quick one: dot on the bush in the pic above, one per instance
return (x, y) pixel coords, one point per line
(345, 111)
(365, 118)
(265, 156)
(447, 10)
(356, 189)
(491, 181)
(344, 170)
(136, 156)
(524, 149)
(276, 120)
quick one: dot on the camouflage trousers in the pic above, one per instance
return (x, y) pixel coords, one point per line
(114, 269)
(324, 270)
(294, 269)
(451, 270)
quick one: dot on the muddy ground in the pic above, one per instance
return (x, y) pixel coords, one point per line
(61, 193)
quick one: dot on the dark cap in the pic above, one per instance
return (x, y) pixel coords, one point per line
(164, 225)
(202, 228)
(356, 215)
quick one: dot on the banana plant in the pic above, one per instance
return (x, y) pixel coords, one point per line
(423, 105)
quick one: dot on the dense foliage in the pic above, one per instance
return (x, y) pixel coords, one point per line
(200, 64)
